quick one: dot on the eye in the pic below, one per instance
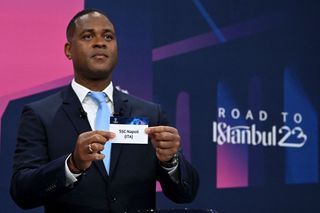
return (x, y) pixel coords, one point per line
(108, 37)
(87, 37)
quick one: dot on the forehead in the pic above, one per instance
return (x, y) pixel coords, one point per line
(92, 21)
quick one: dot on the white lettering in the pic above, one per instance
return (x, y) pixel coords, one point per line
(249, 115)
(297, 117)
(221, 112)
(283, 136)
(250, 135)
(235, 113)
(263, 115)
(284, 116)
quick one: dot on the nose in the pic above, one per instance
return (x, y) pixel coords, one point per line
(99, 42)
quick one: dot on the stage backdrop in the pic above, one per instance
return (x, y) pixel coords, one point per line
(240, 80)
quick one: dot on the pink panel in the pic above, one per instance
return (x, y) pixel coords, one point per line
(232, 166)
(158, 187)
(32, 41)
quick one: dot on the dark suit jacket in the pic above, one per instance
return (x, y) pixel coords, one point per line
(47, 135)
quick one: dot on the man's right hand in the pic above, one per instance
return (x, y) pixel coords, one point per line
(87, 149)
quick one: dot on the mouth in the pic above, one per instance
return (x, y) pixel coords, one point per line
(99, 56)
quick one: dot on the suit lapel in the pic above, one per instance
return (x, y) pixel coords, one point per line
(74, 111)
(73, 108)
(121, 109)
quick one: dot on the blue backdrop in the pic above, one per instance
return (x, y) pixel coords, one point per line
(240, 79)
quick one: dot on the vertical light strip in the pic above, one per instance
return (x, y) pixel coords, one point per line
(183, 123)
(257, 155)
(302, 164)
(232, 159)
(215, 29)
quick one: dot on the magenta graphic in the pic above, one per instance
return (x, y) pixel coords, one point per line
(232, 160)
(31, 55)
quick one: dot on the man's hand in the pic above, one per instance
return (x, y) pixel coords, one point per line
(87, 149)
(165, 140)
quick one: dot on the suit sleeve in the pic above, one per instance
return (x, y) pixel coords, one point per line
(36, 178)
(186, 189)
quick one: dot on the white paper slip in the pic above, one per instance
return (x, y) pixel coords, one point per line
(129, 134)
(129, 130)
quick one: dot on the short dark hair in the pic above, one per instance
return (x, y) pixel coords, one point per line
(72, 23)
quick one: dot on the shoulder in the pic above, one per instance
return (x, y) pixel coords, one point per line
(49, 100)
(138, 107)
(136, 101)
(47, 104)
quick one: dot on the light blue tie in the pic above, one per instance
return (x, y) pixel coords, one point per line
(103, 122)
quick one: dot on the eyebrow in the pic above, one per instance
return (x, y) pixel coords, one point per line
(107, 30)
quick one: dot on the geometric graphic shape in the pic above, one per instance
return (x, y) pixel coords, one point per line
(232, 159)
(233, 32)
(31, 61)
(215, 30)
(183, 123)
(301, 163)
(32, 47)
(257, 156)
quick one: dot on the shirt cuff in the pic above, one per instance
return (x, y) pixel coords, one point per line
(71, 178)
(173, 173)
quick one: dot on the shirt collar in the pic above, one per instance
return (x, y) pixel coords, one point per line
(82, 91)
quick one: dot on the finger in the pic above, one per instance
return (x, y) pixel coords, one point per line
(90, 148)
(95, 147)
(97, 156)
(98, 138)
(106, 134)
(95, 139)
(159, 129)
(165, 136)
(92, 157)
(166, 144)
(168, 153)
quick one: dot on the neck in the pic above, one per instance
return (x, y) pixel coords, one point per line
(94, 85)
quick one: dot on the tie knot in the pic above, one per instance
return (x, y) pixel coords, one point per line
(100, 97)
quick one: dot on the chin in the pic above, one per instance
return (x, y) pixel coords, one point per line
(100, 75)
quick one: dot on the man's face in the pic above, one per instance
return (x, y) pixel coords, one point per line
(93, 47)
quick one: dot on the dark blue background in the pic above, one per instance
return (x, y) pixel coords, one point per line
(289, 38)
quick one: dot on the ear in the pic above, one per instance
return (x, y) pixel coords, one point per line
(67, 50)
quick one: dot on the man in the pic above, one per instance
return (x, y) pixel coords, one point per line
(58, 160)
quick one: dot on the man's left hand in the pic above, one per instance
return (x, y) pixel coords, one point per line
(165, 140)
